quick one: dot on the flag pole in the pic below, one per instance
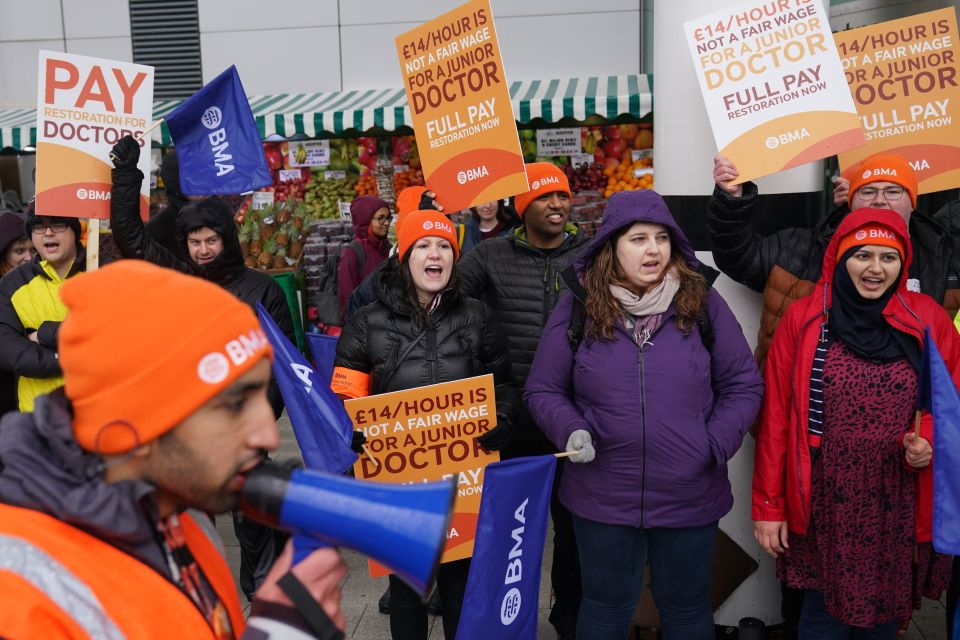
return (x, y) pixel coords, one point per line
(369, 455)
(143, 134)
(565, 454)
(916, 426)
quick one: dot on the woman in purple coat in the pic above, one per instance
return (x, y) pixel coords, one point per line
(644, 375)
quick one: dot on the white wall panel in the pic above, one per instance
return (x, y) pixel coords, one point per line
(256, 15)
(417, 11)
(120, 48)
(33, 20)
(18, 71)
(96, 18)
(301, 60)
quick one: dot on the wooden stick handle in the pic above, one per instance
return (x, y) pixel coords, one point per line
(565, 454)
(369, 455)
(143, 134)
(916, 426)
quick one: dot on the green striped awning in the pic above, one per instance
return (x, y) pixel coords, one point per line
(335, 112)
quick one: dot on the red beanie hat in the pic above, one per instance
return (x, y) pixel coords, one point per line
(873, 233)
(135, 331)
(544, 177)
(423, 224)
(882, 167)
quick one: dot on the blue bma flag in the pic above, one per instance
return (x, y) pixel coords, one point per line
(320, 423)
(217, 140)
(324, 350)
(938, 395)
(503, 589)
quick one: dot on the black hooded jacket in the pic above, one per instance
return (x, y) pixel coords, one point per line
(461, 340)
(226, 270)
(163, 226)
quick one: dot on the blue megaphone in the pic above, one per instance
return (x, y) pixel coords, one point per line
(403, 527)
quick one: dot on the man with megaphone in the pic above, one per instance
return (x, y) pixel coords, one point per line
(103, 488)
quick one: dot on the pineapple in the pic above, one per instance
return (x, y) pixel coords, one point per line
(266, 256)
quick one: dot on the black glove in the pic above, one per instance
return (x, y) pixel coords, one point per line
(428, 202)
(358, 441)
(498, 437)
(126, 153)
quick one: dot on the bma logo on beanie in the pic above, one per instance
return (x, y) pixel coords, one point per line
(880, 172)
(429, 225)
(214, 367)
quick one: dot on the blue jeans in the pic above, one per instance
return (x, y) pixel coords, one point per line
(816, 623)
(612, 559)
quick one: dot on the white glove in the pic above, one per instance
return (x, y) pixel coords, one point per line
(581, 442)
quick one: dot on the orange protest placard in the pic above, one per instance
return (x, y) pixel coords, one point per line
(905, 79)
(84, 106)
(430, 433)
(460, 106)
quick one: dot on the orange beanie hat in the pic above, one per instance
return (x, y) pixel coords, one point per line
(423, 224)
(543, 178)
(143, 347)
(871, 233)
(408, 200)
(882, 167)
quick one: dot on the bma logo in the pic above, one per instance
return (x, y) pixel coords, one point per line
(542, 182)
(303, 373)
(212, 118)
(861, 235)
(510, 605)
(880, 171)
(439, 226)
(213, 368)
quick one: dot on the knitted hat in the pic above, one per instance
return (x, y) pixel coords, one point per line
(144, 347)
(882, 168)
(32, 220)
(11, 228)
(408, 200)
(423, 224)
(872, 233)
(544, 178)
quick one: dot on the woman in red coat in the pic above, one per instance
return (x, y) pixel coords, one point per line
(842, 489)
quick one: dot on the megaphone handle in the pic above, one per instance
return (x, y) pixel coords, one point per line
(304, 546)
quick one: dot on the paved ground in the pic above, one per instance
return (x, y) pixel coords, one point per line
(361, 592)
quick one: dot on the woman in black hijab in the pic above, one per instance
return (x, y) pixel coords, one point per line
(842, 487)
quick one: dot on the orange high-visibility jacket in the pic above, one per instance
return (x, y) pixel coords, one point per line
(60, 582)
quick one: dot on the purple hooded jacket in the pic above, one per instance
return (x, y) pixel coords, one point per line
(664, 418)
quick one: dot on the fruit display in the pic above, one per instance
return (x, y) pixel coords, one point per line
(403, 151)
(322, 196)
(408, 178)
(273, 237)
(366, 186)
(586, 177)
(627, 174)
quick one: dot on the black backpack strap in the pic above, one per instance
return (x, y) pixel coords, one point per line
(361, 253)
(578, 320)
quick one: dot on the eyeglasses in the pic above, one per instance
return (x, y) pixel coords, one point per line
(889, 193)
(381, 219)
(56, 227)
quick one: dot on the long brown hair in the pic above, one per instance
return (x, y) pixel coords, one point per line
(603, 310)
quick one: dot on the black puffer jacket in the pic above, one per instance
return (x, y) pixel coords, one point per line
(163, 226)
(462, 340)
(226, 270)
(522, 285)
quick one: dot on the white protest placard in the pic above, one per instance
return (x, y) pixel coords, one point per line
(84, 106)
(773, 85)
(559, 142)
(310, 153)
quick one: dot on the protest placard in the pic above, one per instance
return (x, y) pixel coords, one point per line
(903, 75)
(460, 105)
(773, 85)
(84, 106)
(430, 433)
